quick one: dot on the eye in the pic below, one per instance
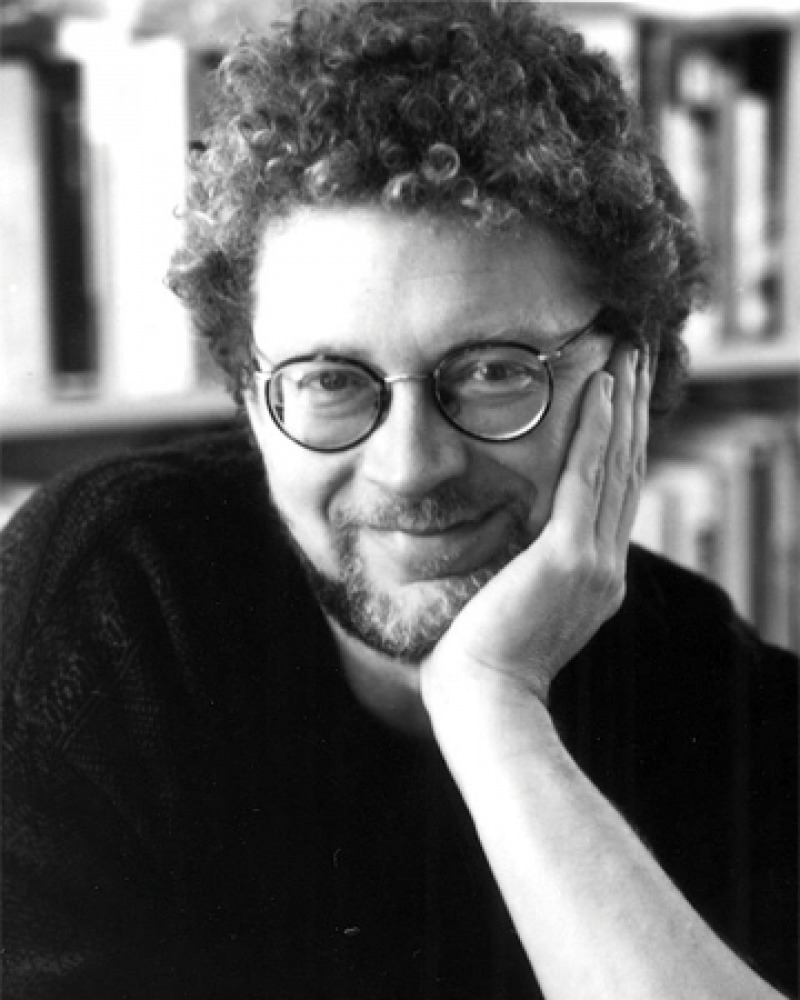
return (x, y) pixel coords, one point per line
(334, 381)
(489, 376)
(325, 388)
(330, 381)
(498, 372)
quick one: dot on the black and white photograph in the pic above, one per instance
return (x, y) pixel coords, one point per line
(399, 499)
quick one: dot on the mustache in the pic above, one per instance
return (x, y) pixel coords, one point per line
(446, 507)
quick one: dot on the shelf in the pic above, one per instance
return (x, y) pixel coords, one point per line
(746, 361)
(765, 11)
(65, 418)
(61, 418)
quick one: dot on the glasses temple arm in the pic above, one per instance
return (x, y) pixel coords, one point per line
(570, 341)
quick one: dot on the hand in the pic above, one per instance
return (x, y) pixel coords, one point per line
(545, 605)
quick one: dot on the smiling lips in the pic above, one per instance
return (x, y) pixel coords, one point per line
(419, 553)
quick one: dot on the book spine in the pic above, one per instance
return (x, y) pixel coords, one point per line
(714, 105)
(25, 308)
(789, 187)
(722, 499)
(74, 350)
(135, 121)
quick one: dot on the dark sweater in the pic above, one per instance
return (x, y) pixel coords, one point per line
(197, 807)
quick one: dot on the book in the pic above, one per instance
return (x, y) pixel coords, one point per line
(692, 154)
(713, 97)
(776, 546)
(679, 515)
(25, 309)
(752, 254)
(649, 527)
(135, 128)
(694, 528)
(707, 88)
(745, 516)
(788, 216)
(73, 324)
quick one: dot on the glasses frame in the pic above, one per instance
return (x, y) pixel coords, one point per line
(384, 384)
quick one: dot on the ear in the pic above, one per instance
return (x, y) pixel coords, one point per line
(256, 412)
(251, 405)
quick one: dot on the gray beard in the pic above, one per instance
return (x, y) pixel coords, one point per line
(378, 619)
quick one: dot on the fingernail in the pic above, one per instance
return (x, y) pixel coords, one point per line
(608, 386)
(634, 360)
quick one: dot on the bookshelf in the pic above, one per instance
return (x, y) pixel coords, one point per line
(62, 418)
(95, 353)
(721, 89)
(720, 84)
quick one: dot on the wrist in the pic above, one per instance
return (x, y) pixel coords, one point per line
(487, 715)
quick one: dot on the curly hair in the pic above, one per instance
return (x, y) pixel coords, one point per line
(488, 111)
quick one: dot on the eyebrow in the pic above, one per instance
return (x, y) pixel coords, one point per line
(566, 339)
(563, 339)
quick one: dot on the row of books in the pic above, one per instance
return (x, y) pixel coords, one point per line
(94, 129)
(93, 144)
(722, 498)
(725, 107)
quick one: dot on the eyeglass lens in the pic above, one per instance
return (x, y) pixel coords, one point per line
(491, 392)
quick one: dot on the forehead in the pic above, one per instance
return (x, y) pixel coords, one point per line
(365, 280)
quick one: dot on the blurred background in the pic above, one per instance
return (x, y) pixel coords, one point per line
(99, 102)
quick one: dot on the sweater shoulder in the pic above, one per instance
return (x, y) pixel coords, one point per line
(689, 619)
(88, 511)
(89, 494)
(83, 501)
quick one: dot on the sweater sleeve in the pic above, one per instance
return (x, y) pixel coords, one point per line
(108, 797)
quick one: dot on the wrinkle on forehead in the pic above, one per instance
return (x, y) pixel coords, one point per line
(336, 276)
(348, 232)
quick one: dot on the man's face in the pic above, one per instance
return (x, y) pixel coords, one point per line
(401, 530)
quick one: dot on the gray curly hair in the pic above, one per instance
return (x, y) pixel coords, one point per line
(486, 110)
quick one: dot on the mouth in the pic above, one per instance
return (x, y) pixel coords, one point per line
(413, 553)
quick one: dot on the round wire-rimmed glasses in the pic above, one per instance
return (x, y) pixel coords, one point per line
(492, 391)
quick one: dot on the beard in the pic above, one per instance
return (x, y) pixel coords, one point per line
(405, 623)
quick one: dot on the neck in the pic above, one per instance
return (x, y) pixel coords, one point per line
(386, 687)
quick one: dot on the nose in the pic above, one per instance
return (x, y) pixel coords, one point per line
(414, 450)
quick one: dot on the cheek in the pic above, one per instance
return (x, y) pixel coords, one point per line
(302, 484)
(302, 494)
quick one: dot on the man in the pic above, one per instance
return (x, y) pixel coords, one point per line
(374, 734)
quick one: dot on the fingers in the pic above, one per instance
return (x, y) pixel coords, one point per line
(618, 455)
(598, 493)
(640, 433)
(580, 487)
(625, 459)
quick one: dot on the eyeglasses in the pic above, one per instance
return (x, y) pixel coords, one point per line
(492, 391)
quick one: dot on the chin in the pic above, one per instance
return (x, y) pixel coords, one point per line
(403, 623)
(401, 620)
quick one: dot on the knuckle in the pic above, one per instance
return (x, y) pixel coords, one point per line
(622, 463)
(609, 571)
(593, 470)
(599, 479)
(605, 573)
